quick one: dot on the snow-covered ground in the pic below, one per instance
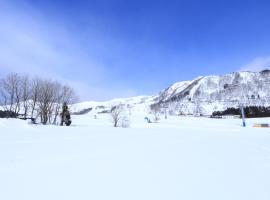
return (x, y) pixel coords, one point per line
(179, 158)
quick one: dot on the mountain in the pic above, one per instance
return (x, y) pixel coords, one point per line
(135, 104)
(203, 95)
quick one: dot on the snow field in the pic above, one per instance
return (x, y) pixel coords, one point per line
(178, 158)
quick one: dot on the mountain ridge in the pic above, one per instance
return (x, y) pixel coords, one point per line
(204, 94)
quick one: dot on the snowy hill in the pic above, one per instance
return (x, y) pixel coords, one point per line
(203, 95)
(211, 93)
(135, 104)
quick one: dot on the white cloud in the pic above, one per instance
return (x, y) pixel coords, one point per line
(30, 43)
(258, 64)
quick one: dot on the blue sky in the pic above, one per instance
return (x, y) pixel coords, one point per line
(121, 48)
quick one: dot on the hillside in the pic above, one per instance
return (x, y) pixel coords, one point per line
(203, 95)
(211, 93)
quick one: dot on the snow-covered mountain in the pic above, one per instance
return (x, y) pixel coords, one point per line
(211, 93)
(203, 95)
(135, 104)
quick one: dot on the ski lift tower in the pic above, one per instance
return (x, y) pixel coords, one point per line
(241, 106)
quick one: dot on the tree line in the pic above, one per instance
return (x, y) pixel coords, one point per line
(250, 112)
(34, 98)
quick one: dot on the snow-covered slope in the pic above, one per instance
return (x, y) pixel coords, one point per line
(136, 104)
(210, 93)
(203, 95)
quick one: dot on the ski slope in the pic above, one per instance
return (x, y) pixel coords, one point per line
(178, 158)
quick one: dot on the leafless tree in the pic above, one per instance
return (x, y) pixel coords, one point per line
(116, 114)
(11, 92)
(18, 94)
(64, 94)
(38, 97)
(25, 86)
(51, 97)
(46, 99)
(156, 109)
(58, 92)
(35, 89)
(69, 95)
(197, 108)
(3, 95)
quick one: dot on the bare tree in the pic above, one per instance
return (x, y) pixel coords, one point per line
(197, 108)
(156, 109)
(35, 89)
(58, 92)
(3, 95)
(64, 94)
(11, 93)
(116, 114)
(69, 95)
(41, 98)
(51, 97)
(25, 84)
(18, 93)
(46, 99)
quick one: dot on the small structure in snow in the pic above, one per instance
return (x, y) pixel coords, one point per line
(261, 125)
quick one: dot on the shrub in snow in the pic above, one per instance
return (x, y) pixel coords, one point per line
(156, 110)
(125, 122)
(8, 114)
(147, 120)
(119, 116)
(116, 114)
(156, 118)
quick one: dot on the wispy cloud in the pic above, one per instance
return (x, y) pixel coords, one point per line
(258, 64)
(31, 43)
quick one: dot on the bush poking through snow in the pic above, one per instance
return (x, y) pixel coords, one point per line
(125, 122)
(116, 114)
(8, 114)
(156, 109)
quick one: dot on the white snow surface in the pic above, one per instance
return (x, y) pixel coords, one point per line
(178, 158)
(136, 104)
